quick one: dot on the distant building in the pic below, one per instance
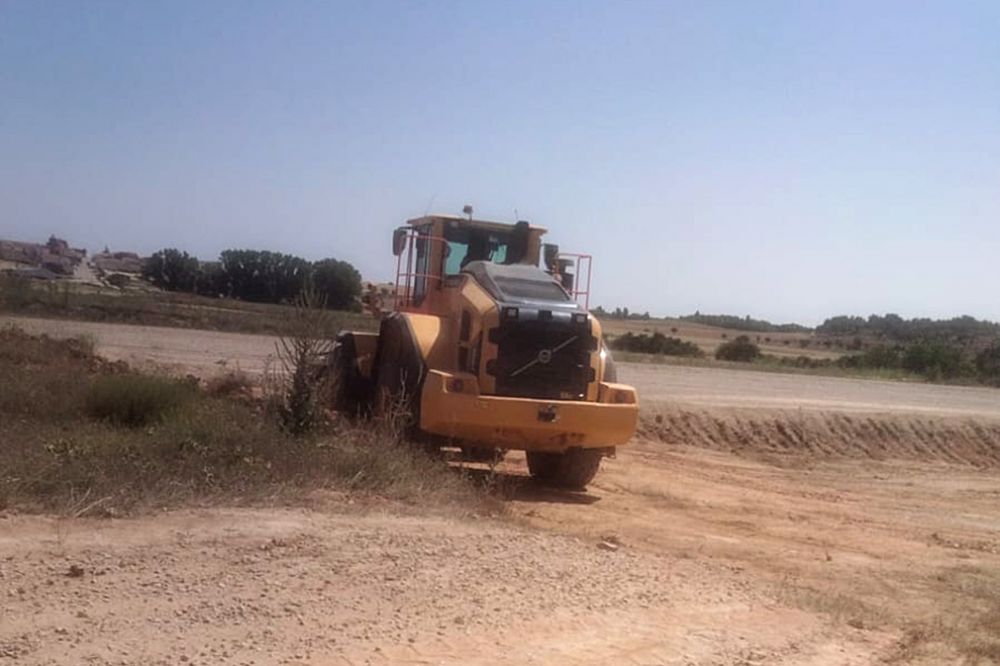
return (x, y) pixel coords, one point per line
(21, 253)
(55, 256)
(117, 262)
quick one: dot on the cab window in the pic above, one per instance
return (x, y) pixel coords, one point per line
(466, 244)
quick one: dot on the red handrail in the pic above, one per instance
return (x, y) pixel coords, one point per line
(577, 291)
(404, 299)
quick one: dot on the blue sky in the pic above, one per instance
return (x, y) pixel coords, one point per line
(788, 160)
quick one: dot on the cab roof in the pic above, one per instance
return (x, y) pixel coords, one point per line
(464, 221)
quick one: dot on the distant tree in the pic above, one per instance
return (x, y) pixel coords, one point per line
(211, 280)
(892, 327)
(338, 282)
(171, 269)
(262, 276)
(738, 349)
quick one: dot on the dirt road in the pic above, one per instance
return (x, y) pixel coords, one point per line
(207, 352)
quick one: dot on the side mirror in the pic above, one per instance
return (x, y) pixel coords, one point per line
(550, 255)
(399, 240)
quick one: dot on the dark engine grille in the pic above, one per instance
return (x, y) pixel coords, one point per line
(542, 357)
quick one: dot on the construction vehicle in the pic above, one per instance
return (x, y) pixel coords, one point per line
(489, 351)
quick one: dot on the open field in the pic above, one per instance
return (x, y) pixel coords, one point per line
(151, 307)
(708, 338)
(174, 309)
(204, 353)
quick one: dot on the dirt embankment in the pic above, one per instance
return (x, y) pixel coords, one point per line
(772, 434)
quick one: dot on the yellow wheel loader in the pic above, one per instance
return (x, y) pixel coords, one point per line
(490, 347)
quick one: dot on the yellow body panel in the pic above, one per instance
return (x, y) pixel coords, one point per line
(431, 334)
(523, 423)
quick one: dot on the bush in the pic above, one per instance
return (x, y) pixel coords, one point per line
(933, 360)
(657, 343)
(300, 385)
(988, 364)
(15, 292)
(739, 349)
(135, 400)
(805, 362)
(232, 382)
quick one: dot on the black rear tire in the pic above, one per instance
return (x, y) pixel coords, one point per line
(572, 470)
(348, 387)
(398, 376)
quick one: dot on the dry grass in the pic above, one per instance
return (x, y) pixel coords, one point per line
(153, 308)
(201, 447)
(963, 625)
(230, 383)
(136, 400)
(842, 608)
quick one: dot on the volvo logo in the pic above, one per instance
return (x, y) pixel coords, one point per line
(543, 357)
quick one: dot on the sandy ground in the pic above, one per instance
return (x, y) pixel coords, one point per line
(314, 587)
(675, 555)
(721, 535)
(205, 353)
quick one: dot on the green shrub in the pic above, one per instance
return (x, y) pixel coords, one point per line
(15, 292)
(657, 343)
(934, 360)
(882, 357)
(135, 400)
(988, 364)
(739, 349)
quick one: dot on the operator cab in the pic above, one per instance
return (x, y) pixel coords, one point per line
(435, 251)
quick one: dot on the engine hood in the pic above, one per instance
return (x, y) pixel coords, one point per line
(520, 284)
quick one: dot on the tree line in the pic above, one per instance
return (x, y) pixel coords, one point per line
(893, 327)
(620, 313)
(746, 323)
(258, 276)
(933, 360)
